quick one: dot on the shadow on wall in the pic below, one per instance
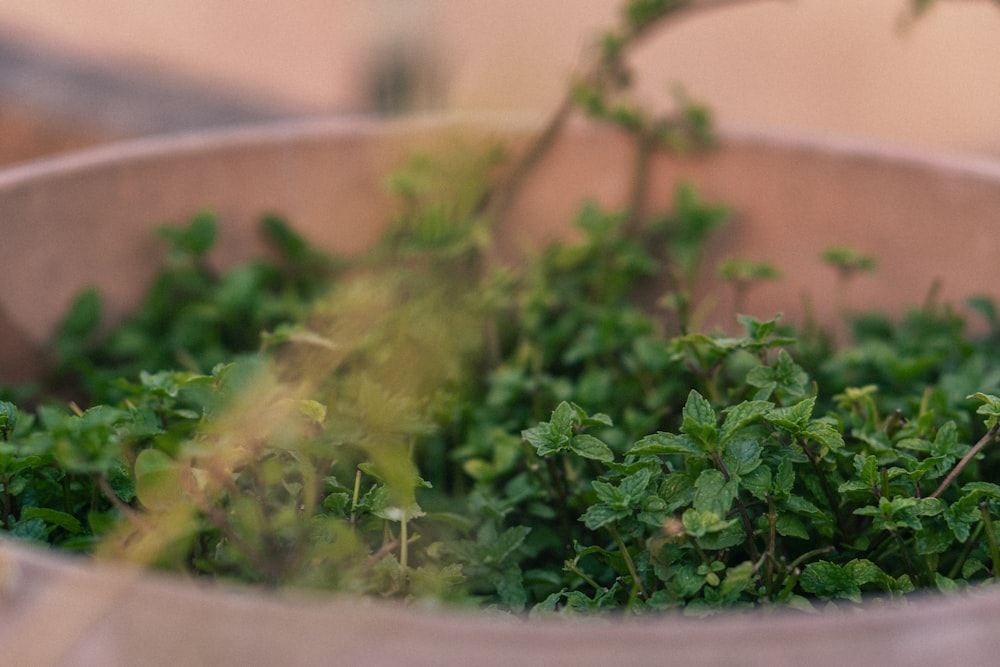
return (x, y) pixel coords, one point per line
(404, 77)
(102, 99)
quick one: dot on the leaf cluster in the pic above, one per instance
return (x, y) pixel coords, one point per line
(554, 438)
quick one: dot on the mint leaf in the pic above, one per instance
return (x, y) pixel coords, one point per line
(699, 421)
(590, 447)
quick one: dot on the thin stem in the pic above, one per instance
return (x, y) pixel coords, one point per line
(221, 521)
(496, 202)
(793, 570)
(383, 551)
(697, 547)
(7, 503)
(404, 549)
(636, 581)
(740, 508)
(128, 512)
(905, 554)
(645, 147)
(831, 497)
(575, 569)
(772, 538)
(965, 460)
(558, 492)
(966, 550)
(357, 491)
(809, 555)
(991, 537)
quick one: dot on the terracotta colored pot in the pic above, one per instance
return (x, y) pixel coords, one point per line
(87, 219)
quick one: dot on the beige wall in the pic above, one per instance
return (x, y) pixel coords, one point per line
(817, 65)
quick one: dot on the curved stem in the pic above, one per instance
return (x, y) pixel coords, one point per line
(497, 200)
(741, 509)
(636, 581)
(965, 460)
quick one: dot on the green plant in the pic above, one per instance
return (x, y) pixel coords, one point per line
(558, 437)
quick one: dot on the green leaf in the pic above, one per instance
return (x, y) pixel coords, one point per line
(791, 526)
(820, 520)
(600, 514)
(284, 239)
(8, 419)
(677, 489)
(828, 580)
(509, 584)
(507, 542)
(590, 447)
(596, 419)
(988, 489)
(699, 421)
(659, 444)
(929, 506)
(195, 238)
(159, 480)
(990, 407)
(866, 468)
(698, 523)
(823, 432)
(863, 571)
(32, 529)
(713, 493)
(741, 453)
(784, 375)
(633, 487)
(758, 482)
(738, 578)
(962, 514)
(385, 505)
(946, 442)
(610, 494)
(793, 418)
(927, 542)
(555, 435)
(784, 479)
(55, 517)
(741, 415)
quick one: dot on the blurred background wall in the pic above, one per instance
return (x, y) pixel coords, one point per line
(109, 68)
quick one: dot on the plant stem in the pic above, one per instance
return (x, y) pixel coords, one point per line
(636, 581)
(383, 551)
(809, 555)
(831, 497)
(904, 553)
(772, 538)
(884, 475)
(7, 503)
(129, 513)
(740, 508)
(404, 543)
(559, 493)
(645, 147)
(965, 460)
(357, 491)
(966, 550)
(575, 569)
(496, 202)
(991, 537)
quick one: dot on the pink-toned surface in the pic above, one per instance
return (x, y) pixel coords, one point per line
(55, 611)
(834, 66)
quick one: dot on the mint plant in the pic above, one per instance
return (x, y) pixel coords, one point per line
(559, 437)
